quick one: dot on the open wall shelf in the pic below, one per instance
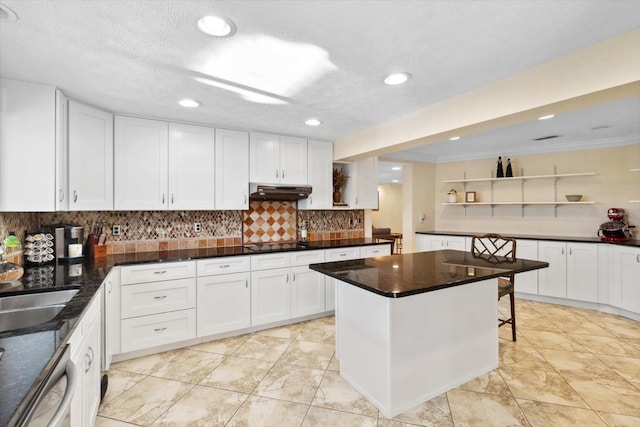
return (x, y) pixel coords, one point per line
(522, 202)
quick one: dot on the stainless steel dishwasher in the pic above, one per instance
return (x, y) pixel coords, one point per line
(51, 405)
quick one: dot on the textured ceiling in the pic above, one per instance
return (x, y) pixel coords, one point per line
(141, 57)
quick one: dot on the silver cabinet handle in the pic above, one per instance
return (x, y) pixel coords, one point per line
(110, 287)
(245, 198)
(562, 251)
(375, 252)
(164, 328)
(570, 251)
(294, 277)
(283, 174)
(163, 198)
(638, 258)
(160, 272)
(89, 359)
(75, 196)
(171, 198)
(287, 279)
(246, 283)
(61, 194)
(224, 266)
(342, 254)
(276, 173)
(160, 297)
(356, 200)
(310, 200)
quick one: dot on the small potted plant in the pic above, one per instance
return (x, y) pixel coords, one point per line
(339, 180)
(453, 195)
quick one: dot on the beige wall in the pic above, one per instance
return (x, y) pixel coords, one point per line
(611, 186)
(390, 213)
(419, 198)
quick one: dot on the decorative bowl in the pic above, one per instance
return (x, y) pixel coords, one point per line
(573, 197)
(10, 272)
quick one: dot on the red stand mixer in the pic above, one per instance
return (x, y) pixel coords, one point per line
(616, 230)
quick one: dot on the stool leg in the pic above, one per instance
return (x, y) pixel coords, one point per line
(512, 300)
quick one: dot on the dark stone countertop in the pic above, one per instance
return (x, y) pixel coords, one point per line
(29, 353)
(398, 276)
(632, 242)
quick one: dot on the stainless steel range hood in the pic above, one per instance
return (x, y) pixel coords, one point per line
(278, 192)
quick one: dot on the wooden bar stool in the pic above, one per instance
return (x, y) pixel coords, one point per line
(498, 249)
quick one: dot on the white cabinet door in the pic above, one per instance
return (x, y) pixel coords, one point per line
(307, 291)
(90, 158)
(111, 318)
(264, 158)
(423, 242)
(224, 303)
(625, 283)
(527, 282)
(375, 250)
(293, 160)
(582, 272)
(270, 296)
(456, 243)
(141, 152)
(27, 147)
(62, 148)
(232, 170)
(191, 167)
(319, 175)
(92, 370)
(361, 190)
(552, 281)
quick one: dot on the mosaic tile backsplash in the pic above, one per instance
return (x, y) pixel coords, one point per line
(143, 231)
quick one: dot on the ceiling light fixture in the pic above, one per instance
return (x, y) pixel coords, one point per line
(396, 168)
(313, 122)
(397, 78)
(189, 103)
(549, 116)
(454, 138)
(216, 26)
(395, 180)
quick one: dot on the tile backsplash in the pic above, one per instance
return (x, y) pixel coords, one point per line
(143, 231)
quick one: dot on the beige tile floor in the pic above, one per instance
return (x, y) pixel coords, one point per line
(569, 367)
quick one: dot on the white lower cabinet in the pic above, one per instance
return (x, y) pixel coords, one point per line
(582, 272)
(552, 281)
(307, 286)
(338, 254)
(527, 282)
(85, 354)
(224, 294)
(625, 278)
(157, 329)
(435, 242)
(270, 296)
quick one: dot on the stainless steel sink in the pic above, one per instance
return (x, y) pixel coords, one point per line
(24, 318)
(23, 311)
(40, 299)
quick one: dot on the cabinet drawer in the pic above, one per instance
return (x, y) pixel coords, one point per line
(157, 271)
(226, 265)
(158, 297)
(158, 329)
(341, 254)
(268, 261)
(306, 257)
(373, 251)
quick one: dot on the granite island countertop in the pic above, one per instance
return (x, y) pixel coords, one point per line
(396, 276)
(30, 352)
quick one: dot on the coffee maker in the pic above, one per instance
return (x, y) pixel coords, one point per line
(68, 241)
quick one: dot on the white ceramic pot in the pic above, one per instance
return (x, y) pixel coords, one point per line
(452, 198)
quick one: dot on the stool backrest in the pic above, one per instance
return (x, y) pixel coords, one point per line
(494, 248)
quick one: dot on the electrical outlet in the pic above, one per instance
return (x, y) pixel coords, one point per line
(197, 227)
(350, 221)
(115, 230)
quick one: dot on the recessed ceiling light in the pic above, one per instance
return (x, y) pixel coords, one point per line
(454, 138)
(216, 26)
(549, 116)
(189, 103)
(396, 168)
(313, 122)
(397, 78)
(395, 180)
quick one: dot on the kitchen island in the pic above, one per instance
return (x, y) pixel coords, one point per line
(410, 327)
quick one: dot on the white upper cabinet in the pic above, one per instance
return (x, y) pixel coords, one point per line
(277, 159)
(141, 164)
(90, 158)
(27, 147)
(62, 149)
(191, 167)
(232, 170)
(319, 176)
(361, 190)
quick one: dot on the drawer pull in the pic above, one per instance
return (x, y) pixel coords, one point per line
(375, 252)
(225, 266)
(164, 328)
(343, 254)
(160, 272)
(160, 297)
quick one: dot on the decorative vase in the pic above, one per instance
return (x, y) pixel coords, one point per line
(452, 198)
(337, 196)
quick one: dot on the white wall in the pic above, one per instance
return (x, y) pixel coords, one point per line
(611, 186)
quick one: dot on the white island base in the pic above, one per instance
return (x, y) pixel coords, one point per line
(401, 352)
